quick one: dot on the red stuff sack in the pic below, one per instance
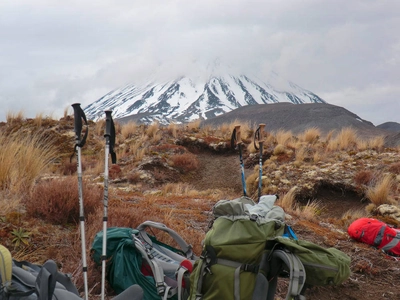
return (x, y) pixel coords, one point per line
(376, 233)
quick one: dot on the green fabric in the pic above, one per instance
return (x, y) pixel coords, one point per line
(324, 266)
(235, 237)
(123, 262)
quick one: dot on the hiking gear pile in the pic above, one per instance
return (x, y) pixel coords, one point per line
(27, 281)
(245, 252)
(376, 233)
(135, 257)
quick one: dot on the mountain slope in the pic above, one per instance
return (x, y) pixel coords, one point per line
(297, 118)
(391, 126)
(184, 99)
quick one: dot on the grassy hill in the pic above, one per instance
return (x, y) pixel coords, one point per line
(175, 174)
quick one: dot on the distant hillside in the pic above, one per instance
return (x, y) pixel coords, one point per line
(298, 118)
(391, 126)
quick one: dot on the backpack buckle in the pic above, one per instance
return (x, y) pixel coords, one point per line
(253, 217)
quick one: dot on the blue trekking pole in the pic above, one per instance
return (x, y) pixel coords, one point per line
(259, 136)
(78, 116)
(236, 138)
(109, 135)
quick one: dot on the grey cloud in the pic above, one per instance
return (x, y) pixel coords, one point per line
(52, 54)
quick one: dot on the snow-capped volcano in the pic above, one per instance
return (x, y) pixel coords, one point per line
(186, 99)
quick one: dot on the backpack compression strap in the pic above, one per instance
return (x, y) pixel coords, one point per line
(210, 258)
(163, 289)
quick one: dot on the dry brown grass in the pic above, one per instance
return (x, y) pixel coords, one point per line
(376, 143)
(226, 129)
(351, 215)
(173, 129)
(363, 177)
(57, 202)
(279, 149)
(22, 159)
(346, 139)
(288, 201)
(152, 129)
(38, 121)
(194, 126)
(301, 154)
(129, 129)
(67, 112)
(15, 117)
(311, 135)
(379, 193)
(186, 162)
(395, 168)
(9, 202)
(100, 127)
(283, 137)
(310, 210)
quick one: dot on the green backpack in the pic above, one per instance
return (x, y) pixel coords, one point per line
(245, 253)
(233, 248)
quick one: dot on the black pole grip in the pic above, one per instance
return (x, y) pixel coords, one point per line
(110, 134)
(77, 119)
(108, 123)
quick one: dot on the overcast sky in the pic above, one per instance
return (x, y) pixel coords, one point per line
(57, 52)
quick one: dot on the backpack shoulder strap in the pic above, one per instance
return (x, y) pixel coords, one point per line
(282, 260)
(185, 247)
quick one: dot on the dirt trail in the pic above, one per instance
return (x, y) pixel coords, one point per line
(219, 171)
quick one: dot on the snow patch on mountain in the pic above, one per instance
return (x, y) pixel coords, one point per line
(185, 99)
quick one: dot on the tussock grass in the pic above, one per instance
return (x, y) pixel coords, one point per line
(186, 162)
(173, 129)
(57, 202)
(351, 215)
(251, 148)
(283, 137)
(67, 112)
(310, 210)
(152, 129)
(38, 121)
(376, 143)
(310, 135)
(226, 129)
(301, 154)
(363, 177)
(182, 189)
(129, 129)
(194, 125)
(288, 201)
(279, 149)
(379, 193)
(100, 127)
(22, 159)
(15, 117)
(346, 139)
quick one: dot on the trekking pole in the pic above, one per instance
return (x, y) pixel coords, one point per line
(259, 136)
(78, 116)
(109, 135)
(236, 138)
